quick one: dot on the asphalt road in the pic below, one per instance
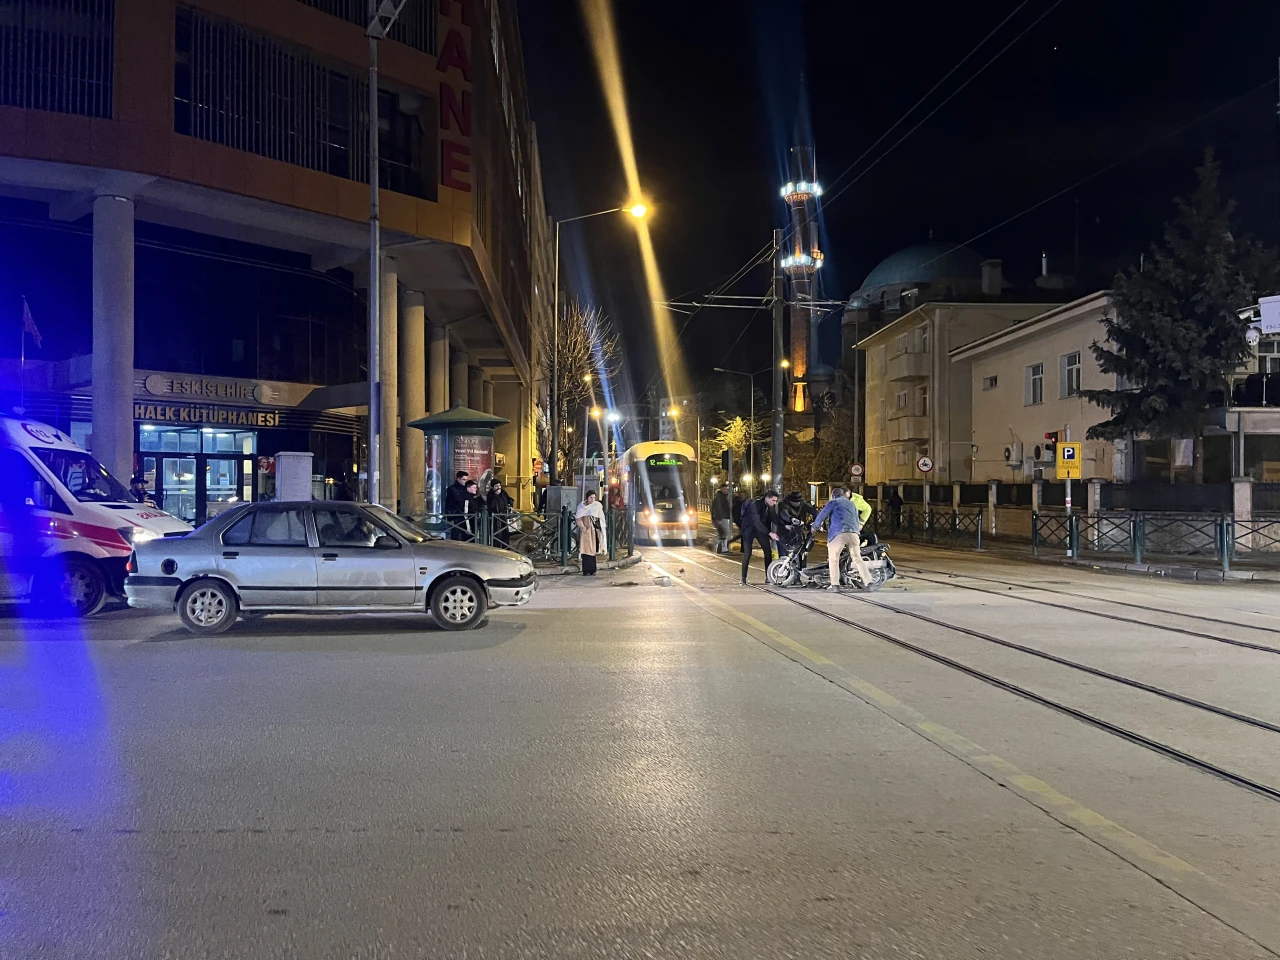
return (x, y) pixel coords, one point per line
(630, 769)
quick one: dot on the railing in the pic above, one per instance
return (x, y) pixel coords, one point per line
(415, 27)
(57, 55)
(545, 539)
(928, 526)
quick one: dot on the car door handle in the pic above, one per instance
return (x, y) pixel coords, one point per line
(328, 556)
(229, 554)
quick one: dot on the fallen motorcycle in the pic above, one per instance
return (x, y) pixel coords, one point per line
(790, 569)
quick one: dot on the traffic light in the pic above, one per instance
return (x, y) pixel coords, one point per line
(726, 460)
(1050, 445)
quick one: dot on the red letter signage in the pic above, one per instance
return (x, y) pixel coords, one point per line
(453, 54)
(455, 159)
(455, 109)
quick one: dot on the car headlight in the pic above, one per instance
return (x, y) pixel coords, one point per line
(137, 535)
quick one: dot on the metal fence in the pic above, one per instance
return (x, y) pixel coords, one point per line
(916, 524)
(542, 538)
(415, 27)
(57, 55)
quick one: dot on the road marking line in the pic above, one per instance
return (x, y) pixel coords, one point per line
(1193, 885)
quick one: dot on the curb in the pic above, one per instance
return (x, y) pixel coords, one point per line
(621, 564)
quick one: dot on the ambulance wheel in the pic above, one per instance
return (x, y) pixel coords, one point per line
(76, 586)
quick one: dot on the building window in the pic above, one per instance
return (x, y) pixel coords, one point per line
(900, 345)
(1069, 374)
(1035, 384)
(901, 400)
(924, 339)
(989, 383)
(57, 56)
(923, 401)
(252, 92)
(900, 457)
(415, 27)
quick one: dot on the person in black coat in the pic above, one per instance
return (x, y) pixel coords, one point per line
(758, 521)
(455, 504)
(499, 503)
(722, 517)
(735, 514)
(472, 507)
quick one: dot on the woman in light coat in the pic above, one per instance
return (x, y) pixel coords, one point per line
(591, 540)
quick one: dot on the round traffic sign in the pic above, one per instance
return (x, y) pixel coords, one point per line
(855, 470)
(924, 464)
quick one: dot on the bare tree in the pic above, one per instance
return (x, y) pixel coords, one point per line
(589, 352)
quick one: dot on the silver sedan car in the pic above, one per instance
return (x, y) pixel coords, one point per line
(321, 557)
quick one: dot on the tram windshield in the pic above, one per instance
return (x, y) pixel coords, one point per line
(669, 476)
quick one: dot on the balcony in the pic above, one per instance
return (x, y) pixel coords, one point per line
(908, 428)
(908, 366)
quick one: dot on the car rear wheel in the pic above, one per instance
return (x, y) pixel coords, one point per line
(458, 603)
(207, 607)
(76, 586)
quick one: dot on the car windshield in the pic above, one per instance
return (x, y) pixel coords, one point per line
(400, 525)
(86, 479)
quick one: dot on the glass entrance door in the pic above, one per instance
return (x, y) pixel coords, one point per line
(175, 485)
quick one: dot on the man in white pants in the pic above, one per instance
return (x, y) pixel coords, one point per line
(844, 518)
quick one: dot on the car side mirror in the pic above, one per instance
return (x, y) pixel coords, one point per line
(386, 543)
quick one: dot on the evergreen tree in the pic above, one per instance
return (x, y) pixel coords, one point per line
(1177, 334)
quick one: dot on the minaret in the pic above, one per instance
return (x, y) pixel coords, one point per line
(801, 258)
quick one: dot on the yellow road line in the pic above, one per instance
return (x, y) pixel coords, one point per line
(1195, 886)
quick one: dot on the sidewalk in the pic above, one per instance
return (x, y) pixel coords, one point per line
(555, 570)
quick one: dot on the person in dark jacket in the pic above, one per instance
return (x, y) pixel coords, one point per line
(721, 517)
(758, 520)
(895, 508)
(471, 509)
(735, 514)
(499, 503)
(455, 504)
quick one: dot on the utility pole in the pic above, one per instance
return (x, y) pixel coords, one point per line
(776, 453)
(382, 14)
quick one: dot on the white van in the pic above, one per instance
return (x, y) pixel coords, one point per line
(67, 526)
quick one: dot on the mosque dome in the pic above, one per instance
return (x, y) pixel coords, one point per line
(925, 263)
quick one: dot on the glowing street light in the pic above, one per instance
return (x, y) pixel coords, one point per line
(785, 364)
(638, 211)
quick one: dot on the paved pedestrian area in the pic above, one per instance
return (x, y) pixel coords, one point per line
(658, 763)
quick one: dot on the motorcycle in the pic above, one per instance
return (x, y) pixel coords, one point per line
(790, 568)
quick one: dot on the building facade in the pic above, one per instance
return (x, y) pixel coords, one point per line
(917, 399)
(194, 178)
(1026, 381)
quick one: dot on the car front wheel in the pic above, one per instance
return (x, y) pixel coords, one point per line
(207, 607)
(458, 603)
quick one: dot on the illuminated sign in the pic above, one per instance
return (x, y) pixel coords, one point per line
(216, 416)
(666, 462)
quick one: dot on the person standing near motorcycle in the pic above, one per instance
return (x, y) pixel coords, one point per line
(758, 520)
(722, 517)
(844, 517)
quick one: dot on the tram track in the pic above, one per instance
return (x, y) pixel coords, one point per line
(1124, 733)
(1231, 641)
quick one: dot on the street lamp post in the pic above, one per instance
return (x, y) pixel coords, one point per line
(586, 432)
(382, 14)
(751, 380)
(637, 210)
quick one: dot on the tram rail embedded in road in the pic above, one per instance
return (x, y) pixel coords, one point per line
(1124, 733)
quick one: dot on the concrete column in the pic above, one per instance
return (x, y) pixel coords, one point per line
(475, 388)
(1037, 488)
(389, 371)
(993, 498)
(413, 405)
(438, 372)
(955, 496)
(458, 378)
(1242, 498)
(488, 395)
(112, 363)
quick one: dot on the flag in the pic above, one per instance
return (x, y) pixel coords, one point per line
(29, 325)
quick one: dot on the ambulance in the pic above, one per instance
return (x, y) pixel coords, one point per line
(67, 526)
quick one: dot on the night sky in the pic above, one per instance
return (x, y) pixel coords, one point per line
(714, 90)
